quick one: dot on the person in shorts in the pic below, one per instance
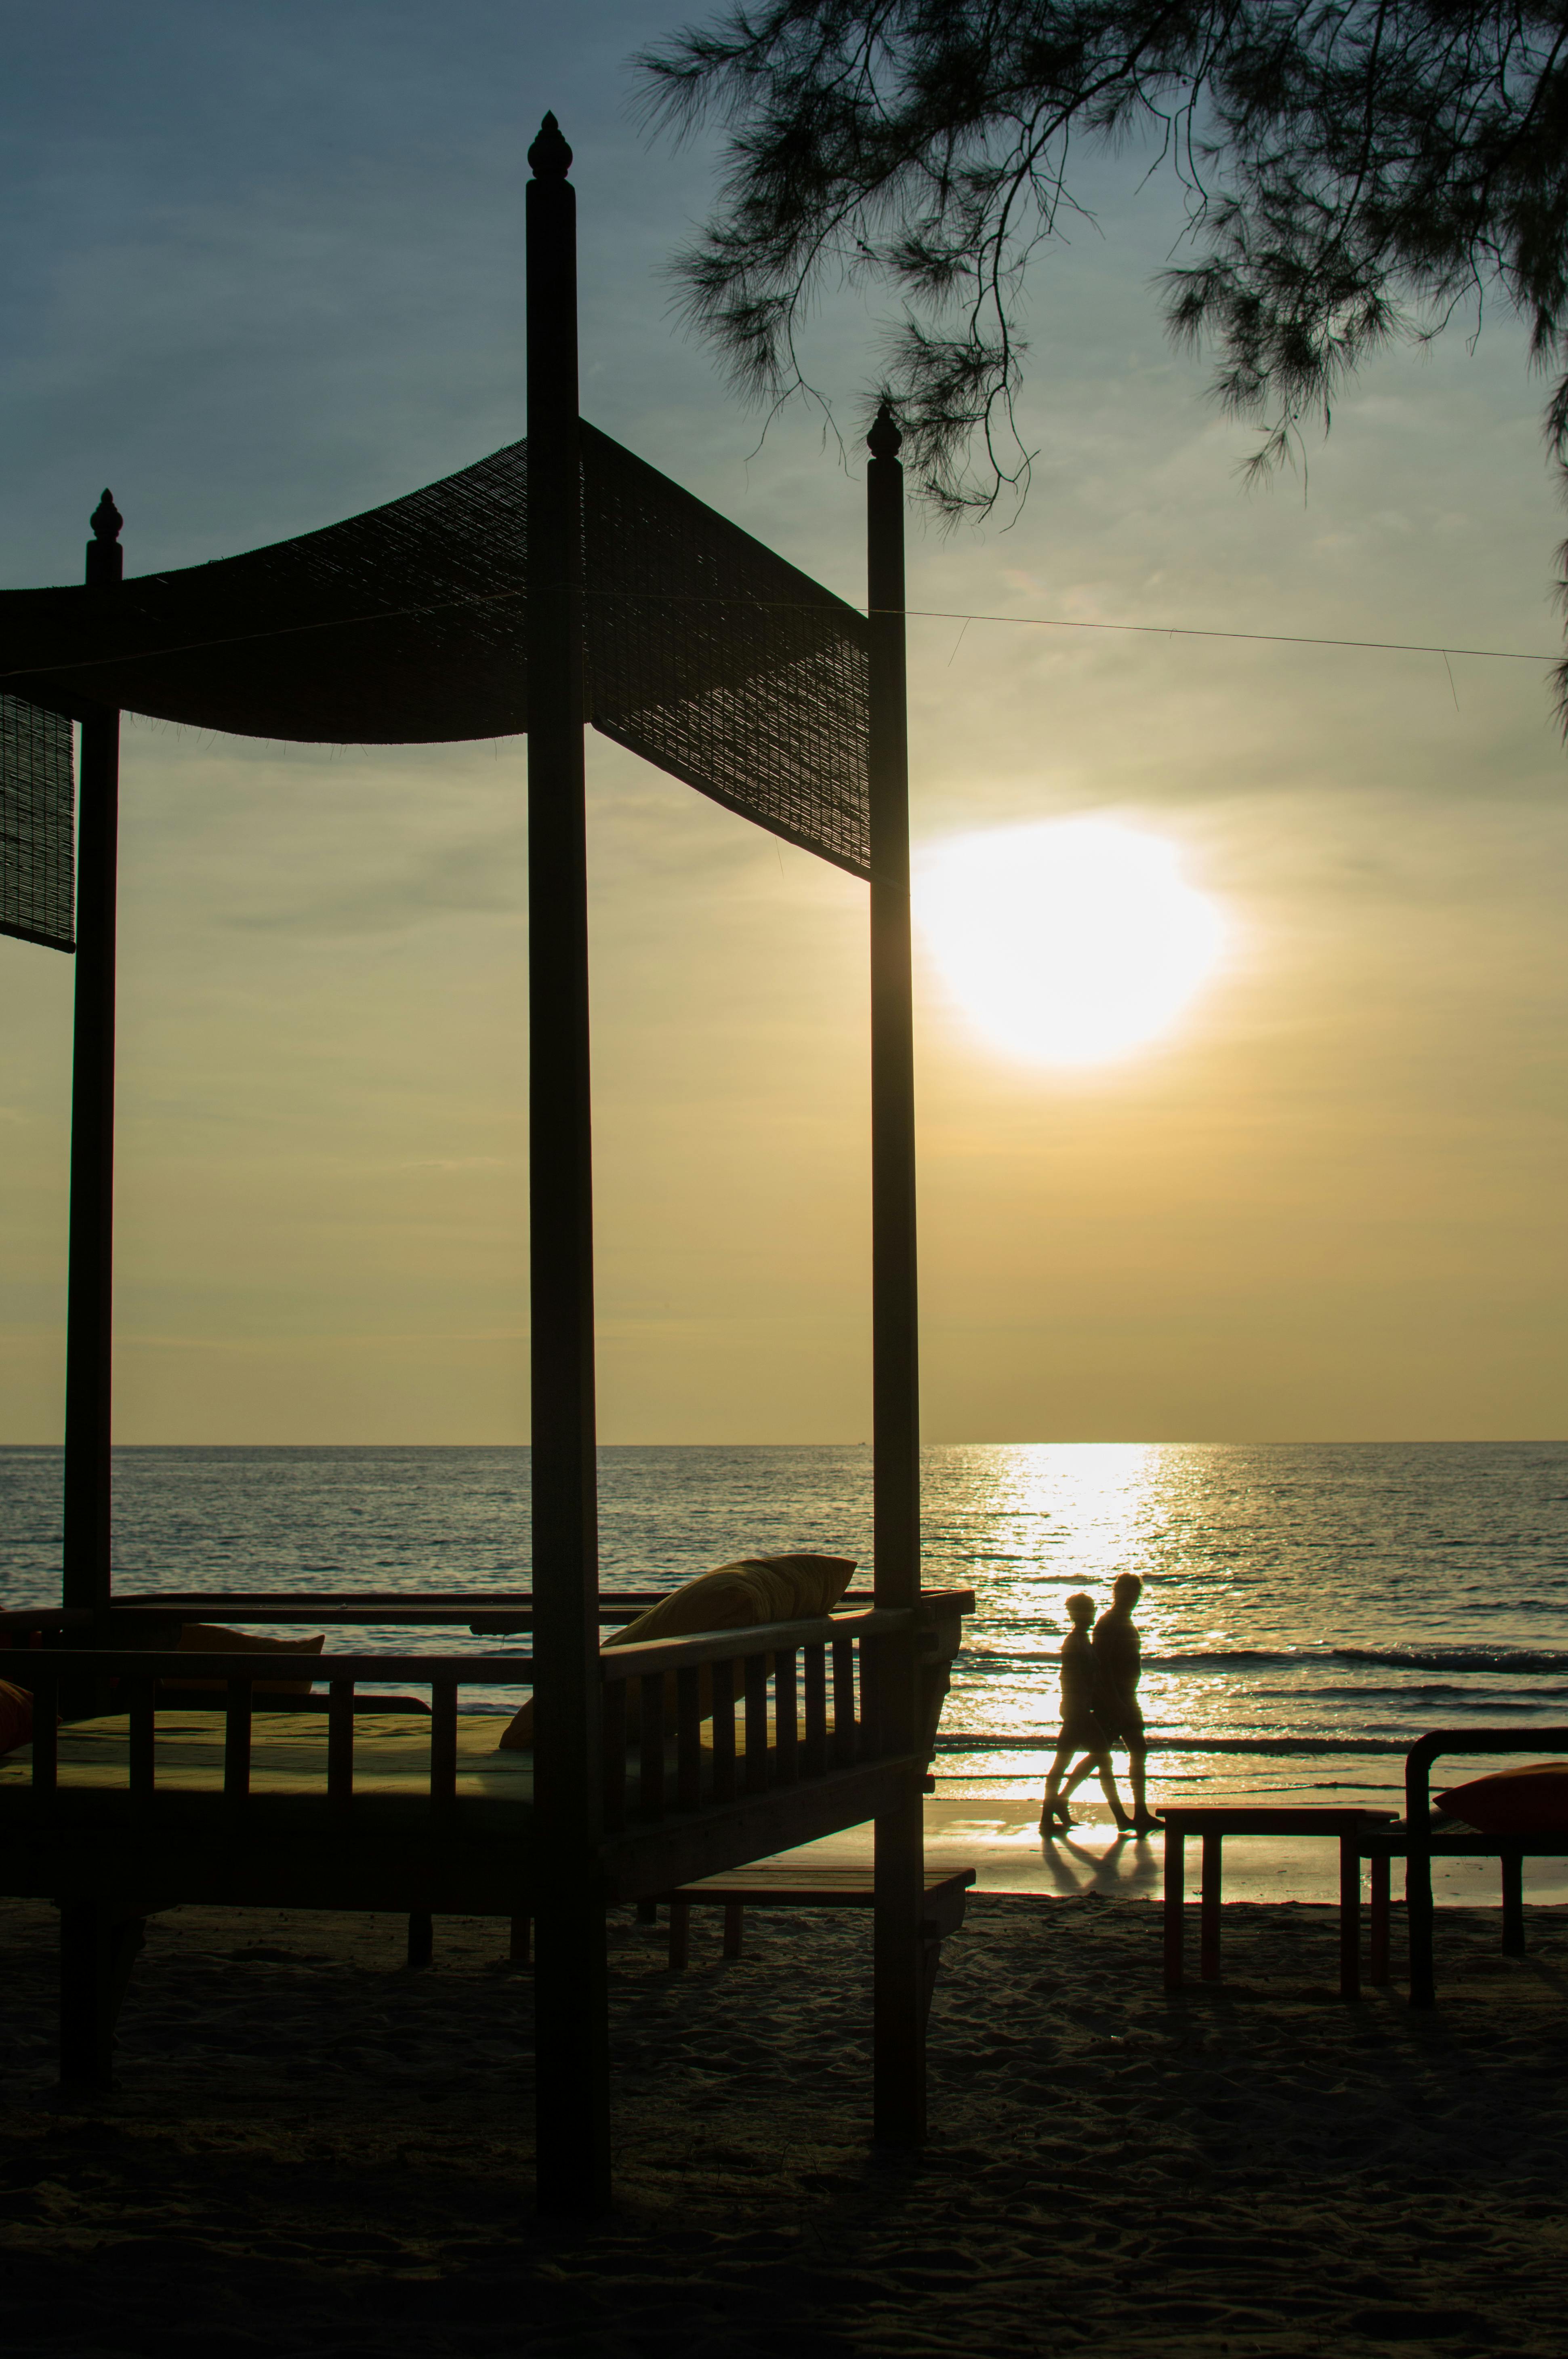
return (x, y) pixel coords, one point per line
(1081, 1728)
(1118, 1659)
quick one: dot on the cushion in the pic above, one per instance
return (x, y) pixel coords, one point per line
(15, 1716)
(211, 1638)
(1531, 1801)
(736, 1597)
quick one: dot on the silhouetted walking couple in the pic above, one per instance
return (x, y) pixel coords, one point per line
(1100, 1708)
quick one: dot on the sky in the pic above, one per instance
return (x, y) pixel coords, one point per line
(262, 269)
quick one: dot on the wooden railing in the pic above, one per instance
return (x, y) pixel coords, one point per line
(487, 1613)
(818, 1681)
(137, 1676)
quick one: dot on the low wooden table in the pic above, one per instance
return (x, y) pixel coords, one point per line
(782, 1883)
(1214, 1824)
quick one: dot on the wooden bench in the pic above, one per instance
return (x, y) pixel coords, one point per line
(1417, 1843)
(782, 1883)
(1213, 1823)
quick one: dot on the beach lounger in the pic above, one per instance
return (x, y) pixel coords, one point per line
(120, 1814)
(1424, 1836)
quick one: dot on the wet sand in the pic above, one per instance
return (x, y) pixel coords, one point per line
(314, 2151)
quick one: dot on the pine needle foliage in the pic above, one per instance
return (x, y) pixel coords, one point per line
(1356, 172)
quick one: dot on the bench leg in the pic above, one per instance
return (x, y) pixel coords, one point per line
(1419, 1929)
(97, 1954)
(680, 1933)
(522, 1941)
(1213, 1880)
(1349, 1919)
(1176, 1899)
(1380, 1918)
(421, 1939)
(1513, 1904)
(734, 1928)
(647, 1912)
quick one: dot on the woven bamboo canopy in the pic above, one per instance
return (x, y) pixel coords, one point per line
(703, 651)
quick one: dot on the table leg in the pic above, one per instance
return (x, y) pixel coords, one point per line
(1175, 1878)
(1513, 1904)
(1378, 1865)
(1213, 1876)
(734, 1928)
(1418, 1928)
(1350, 1918)
(680, 1923)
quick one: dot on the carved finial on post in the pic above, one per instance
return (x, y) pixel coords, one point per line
(884, 440)
(106, 557)
(549, 156)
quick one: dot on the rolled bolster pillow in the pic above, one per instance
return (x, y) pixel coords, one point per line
(736, 1597)
(1530, 1801)
(16, 1717)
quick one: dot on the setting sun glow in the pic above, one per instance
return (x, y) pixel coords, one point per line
(1068, 942)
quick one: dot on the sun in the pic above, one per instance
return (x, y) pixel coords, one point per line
(1069, 941)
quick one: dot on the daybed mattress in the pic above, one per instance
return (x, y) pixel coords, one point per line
(289, 1770)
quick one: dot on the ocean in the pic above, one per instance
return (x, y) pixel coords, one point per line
(1308, 1610)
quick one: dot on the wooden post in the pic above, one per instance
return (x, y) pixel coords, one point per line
(90, 1308)
(1175, 1903)
(1209, 1904)
(1349, 1916)
(571, 1983)
(899, 2069)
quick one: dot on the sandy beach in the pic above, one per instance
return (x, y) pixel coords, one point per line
(314, 2151)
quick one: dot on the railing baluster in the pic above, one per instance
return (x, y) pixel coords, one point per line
(443, 1743)
(689, 1740)
(614, 1756)
(756, 1723)
(141, 1740)
(787, 1756)
(237, 1744)
(724, 1731)
(650, 1746)
(813, 1752)
(843, 1703)
(870, 1746)
(341, 1744)
(46, 1740)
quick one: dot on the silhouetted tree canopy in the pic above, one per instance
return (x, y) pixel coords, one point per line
(1354, 174)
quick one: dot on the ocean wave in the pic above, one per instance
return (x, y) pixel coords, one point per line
(1505, 1661)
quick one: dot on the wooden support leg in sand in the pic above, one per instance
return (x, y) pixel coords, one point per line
(1420, 1928)
(421, 1939)
(1378, 1865)
(98, 1947)
(1513, 1904)
(1213, 1890)
(1176, 1901)
(1350, 1918)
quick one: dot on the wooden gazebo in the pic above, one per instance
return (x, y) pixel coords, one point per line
(558, 582)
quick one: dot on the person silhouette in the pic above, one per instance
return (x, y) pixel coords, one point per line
(1118, 1659)
(1082, 1731)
